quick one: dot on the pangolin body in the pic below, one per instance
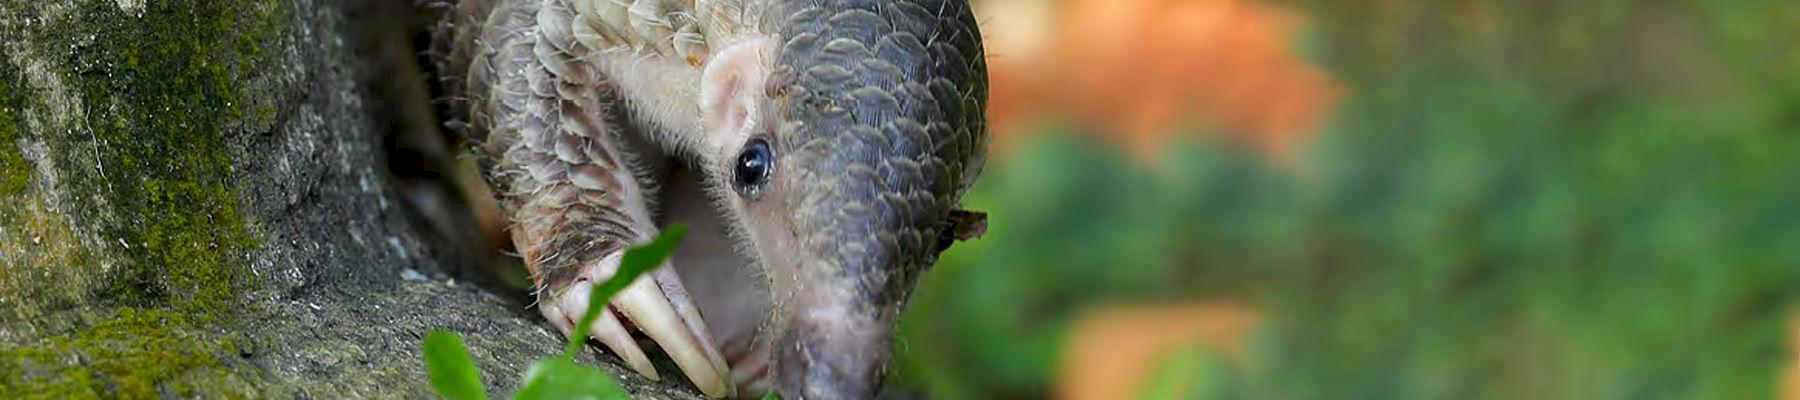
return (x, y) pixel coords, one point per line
(833, 138)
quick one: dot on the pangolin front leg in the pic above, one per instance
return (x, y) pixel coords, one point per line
(551, 149)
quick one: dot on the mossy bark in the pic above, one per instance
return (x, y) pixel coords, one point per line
(192, 204)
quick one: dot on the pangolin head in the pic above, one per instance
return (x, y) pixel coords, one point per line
(863, 122)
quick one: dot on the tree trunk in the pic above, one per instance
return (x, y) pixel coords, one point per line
(194, 203)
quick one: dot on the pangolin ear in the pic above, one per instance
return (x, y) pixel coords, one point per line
(731, 93)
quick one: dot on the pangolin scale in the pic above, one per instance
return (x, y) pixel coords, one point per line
(832, 138)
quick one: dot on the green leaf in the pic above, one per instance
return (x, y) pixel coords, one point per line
(562, 378)
(636, 261)
(452, 370)
(772, 396)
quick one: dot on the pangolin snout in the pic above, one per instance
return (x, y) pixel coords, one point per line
(829, 355)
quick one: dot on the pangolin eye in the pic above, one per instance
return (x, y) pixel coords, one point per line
(753, 168)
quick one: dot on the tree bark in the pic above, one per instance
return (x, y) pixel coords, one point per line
(193, 202)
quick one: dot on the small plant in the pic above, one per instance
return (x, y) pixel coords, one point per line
(453, 372)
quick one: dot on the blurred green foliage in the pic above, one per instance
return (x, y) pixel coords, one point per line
(1514, 200)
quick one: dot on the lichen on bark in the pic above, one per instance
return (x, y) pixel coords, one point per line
(141, 167)
(36, 244)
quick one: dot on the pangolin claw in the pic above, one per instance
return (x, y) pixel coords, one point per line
(656, 305)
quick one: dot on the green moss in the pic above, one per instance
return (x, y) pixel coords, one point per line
(149, 163)
(15, 172)
(131, 353)
(158, 95)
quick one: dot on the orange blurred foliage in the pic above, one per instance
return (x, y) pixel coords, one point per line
(1112, 353)
(1139, 70)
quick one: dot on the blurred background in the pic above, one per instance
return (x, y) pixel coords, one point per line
(1377, 199)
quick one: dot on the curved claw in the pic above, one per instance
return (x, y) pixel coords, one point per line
(672, 288)
(564, 310)
(659, 307)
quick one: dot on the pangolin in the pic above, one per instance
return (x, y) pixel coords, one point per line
(824, 144)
